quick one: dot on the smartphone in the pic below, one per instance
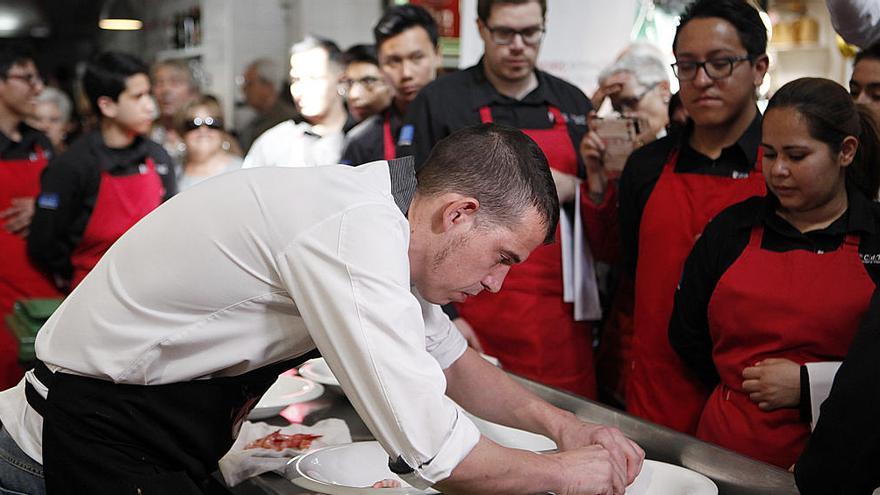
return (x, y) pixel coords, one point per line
(619, 135)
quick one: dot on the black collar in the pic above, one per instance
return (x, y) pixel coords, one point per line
(858, 218)
(110, 158)
(748, 143)
(29, 138)
(484, 94)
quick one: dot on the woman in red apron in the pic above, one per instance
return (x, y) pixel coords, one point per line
(528, 326)
(796, 286)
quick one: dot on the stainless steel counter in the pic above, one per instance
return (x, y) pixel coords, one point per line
(734, 474)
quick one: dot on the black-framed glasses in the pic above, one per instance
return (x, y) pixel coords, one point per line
(370, 83)
(504, 35)
(716, 68)
(209, 122)
(630, 103)
(32, 79)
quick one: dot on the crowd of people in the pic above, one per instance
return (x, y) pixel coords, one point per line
(723, 274)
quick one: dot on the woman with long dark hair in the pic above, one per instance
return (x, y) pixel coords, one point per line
(779, 282)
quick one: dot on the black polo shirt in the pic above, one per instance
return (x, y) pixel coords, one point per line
(645, 164)
(453, 101)
(365, 143)
(31, 139)
(69, 190)
(724, 240)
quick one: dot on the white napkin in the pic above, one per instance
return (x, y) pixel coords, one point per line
(239, 464)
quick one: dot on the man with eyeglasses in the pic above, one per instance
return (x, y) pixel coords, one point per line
(366, 91)
(315, 74)
(24, 153)
(409, 56)
(529, 325)
(671, 188)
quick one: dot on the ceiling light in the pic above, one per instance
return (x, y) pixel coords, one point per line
(119, 15)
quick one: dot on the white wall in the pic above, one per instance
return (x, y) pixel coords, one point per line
(583, 36)
(347, 22)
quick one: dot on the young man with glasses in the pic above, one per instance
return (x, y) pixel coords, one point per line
(107, 180)
(529, 326)
(315, 76)
(24, 153)
(672, 187)
(366, 91)
(409, 56)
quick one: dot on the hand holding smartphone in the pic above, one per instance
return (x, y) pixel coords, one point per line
(620, 138)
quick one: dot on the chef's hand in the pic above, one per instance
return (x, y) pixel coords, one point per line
(773, 383)
(592, 151)
(18, 216)
(566, 185)
(467, 331)
(611, 87)
(624, 451)
(590, 470)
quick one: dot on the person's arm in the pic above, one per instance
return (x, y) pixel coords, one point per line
(844, 449)
(512, 405)
(165, 169)
(630, 214)
(689, 325)
(63, 187)
(602, 223)
(857, 21)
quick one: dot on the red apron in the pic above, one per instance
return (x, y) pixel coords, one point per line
(19, 278)
(389, 149)
(797, 305)
(122, 201)
(661, 389)
(527, 325)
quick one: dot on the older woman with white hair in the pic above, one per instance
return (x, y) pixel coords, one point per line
(52, 116)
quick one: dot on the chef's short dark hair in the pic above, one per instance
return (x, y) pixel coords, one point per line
(872, 52)
(745, 18)
(501, 167)
(484, 7)
(15, 54)
(106, 75)
(402, 17)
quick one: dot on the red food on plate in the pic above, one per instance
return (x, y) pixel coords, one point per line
(279, 441)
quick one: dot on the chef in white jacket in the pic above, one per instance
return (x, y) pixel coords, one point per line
(149, 366)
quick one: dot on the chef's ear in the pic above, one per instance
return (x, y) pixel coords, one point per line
(460, 212)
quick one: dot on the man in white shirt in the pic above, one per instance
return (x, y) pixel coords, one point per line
(153, 361)
(315, 72)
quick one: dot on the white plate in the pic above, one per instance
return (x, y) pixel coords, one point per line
(350, 469)
(318, 371)
(512, 437)
(285, 391)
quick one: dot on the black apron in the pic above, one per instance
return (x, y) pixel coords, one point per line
(101, 437)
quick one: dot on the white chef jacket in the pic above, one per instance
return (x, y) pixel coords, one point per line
(289, 144)
(257, 266)
(857, 21)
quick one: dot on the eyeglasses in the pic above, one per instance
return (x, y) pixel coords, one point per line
(31, 79)
(209, 122)
(504, 35)
(369, 83)
(630, 103)
(716, 68)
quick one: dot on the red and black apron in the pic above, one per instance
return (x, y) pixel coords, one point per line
(661, 388)
(527, 325)
(798, 305)
(105, 438)
(19, 278)
(122, 201)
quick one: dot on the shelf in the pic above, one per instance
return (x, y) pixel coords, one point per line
(182, 53)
